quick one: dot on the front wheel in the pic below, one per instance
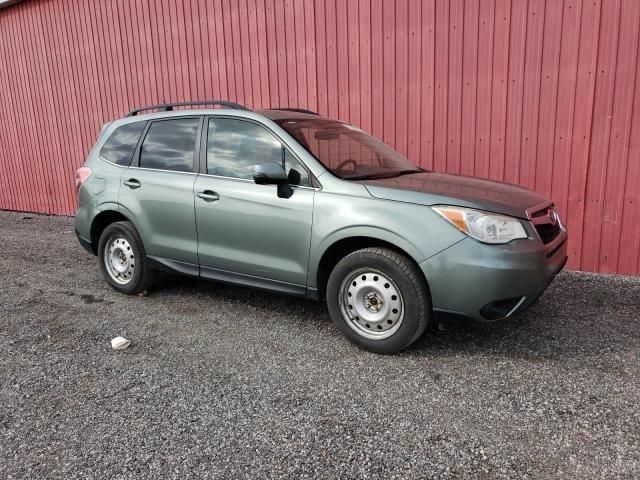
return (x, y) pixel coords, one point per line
(379, 299)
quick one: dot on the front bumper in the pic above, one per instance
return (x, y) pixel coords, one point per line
(490, 282)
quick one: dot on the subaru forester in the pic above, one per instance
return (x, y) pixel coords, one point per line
(293, 202)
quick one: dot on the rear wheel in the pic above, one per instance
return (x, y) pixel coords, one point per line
(123, 260)
(379, 299)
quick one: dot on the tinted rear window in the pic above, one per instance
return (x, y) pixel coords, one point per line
(122, 142)
(170, 145)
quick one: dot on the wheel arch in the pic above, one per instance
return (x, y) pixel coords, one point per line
(101, 221)
(345, 245)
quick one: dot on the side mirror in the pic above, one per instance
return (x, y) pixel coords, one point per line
(294, 177)
(273, 174)
(269, 174)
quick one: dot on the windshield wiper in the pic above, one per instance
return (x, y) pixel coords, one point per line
(379, 176)
(403, 172)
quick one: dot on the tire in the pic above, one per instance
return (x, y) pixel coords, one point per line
(379, 299)
(123, 261)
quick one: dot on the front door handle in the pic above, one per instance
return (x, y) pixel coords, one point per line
(132, 183)
(208, 196)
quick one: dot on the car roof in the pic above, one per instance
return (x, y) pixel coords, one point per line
(283, 114)
(271, 114)
(206, 107)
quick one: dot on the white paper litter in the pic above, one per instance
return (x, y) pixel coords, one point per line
(119, 343)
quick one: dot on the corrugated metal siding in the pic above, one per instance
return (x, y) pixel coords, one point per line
(541, 93)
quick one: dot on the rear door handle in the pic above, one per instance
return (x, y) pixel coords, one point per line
(208, 196)
(132, 183)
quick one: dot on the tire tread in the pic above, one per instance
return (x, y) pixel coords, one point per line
(412, 273)
(146, 274)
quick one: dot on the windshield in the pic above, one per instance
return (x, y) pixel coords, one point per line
(347, 151)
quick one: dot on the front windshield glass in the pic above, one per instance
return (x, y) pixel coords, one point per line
(347, 151)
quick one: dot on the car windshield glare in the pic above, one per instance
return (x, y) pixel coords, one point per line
(346, 151)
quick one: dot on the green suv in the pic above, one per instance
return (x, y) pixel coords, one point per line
(290, 201)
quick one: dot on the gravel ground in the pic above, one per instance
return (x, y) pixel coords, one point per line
(229, 382)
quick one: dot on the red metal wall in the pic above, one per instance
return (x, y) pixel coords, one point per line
(541, 93)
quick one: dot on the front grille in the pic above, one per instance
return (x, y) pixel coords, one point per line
(547, 224)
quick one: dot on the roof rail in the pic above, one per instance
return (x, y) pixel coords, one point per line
(167, 107)
(297, 110)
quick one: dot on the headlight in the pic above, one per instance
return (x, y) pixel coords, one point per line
(483, 226)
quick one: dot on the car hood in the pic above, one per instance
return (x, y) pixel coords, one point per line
(430, 188)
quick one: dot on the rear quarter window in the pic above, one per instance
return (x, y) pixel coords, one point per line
(120, 146)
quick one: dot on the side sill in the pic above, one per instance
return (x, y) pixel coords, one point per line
(173, 266)
(251, 281)
(208, 273)
(313, 294)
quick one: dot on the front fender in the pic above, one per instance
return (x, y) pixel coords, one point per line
(415, 229)
(377, 233)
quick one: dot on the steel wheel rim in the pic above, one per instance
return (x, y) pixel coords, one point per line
(371, 303)
(119, 259)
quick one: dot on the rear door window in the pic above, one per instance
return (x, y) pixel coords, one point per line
(170, 145)
(120, 146)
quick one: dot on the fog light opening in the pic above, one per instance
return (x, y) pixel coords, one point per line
(499, 309)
